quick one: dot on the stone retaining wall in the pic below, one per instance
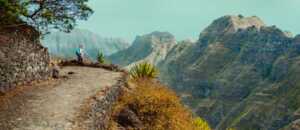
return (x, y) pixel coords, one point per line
(22, 60)
(97, 112)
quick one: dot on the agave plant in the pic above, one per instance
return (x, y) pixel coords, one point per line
(143, 70)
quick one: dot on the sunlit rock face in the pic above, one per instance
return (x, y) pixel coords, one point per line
(152, 48)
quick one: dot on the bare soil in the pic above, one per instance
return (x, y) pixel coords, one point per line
(53, 104)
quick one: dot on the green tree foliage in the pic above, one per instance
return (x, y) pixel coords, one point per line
(144, 70)
(44, 14)
(100, 57)
(9, 11)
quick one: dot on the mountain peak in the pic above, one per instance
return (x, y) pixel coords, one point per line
(241, 22)
(157, 37)
(231, 24)
(152, 47)
(162, 34)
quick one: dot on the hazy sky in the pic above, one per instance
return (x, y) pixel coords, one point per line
(183, 18)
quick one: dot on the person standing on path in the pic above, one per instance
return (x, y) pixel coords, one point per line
(80, 54)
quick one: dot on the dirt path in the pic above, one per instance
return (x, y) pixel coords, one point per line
(52, 105)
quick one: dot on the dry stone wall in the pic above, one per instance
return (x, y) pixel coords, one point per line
(101, 112)
(22, 59)
(97, 112)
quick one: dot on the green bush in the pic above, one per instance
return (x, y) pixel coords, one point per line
(100, 57)
(143, 71)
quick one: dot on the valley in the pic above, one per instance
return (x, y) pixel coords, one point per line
(63, 45)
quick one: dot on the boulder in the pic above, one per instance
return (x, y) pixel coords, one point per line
(129, 120)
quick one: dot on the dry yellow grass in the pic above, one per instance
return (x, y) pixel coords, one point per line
(158, 107)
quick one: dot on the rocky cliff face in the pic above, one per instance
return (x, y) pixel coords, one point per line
(64, 44)
(22, 58)
(151, 47)
(240, 73)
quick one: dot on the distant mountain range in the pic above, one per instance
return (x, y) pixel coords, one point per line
(240, 73)
(64, 44)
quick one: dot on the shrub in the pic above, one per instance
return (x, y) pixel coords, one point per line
(100, 57)
(144, 70)
(201, 124)
(230, 129)
(156, 107)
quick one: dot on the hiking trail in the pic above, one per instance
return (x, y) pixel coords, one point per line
(52, 105)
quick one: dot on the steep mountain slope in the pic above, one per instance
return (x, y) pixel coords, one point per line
(175, 55)
(152, 47)
(64, 44)
(239, 74)
(275, 101)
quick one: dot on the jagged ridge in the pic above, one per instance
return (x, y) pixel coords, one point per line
(152, 47)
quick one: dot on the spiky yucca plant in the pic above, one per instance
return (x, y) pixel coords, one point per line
(201, 124)
(230, 129)
(143, 70)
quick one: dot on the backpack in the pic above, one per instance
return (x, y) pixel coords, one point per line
(78, 52)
